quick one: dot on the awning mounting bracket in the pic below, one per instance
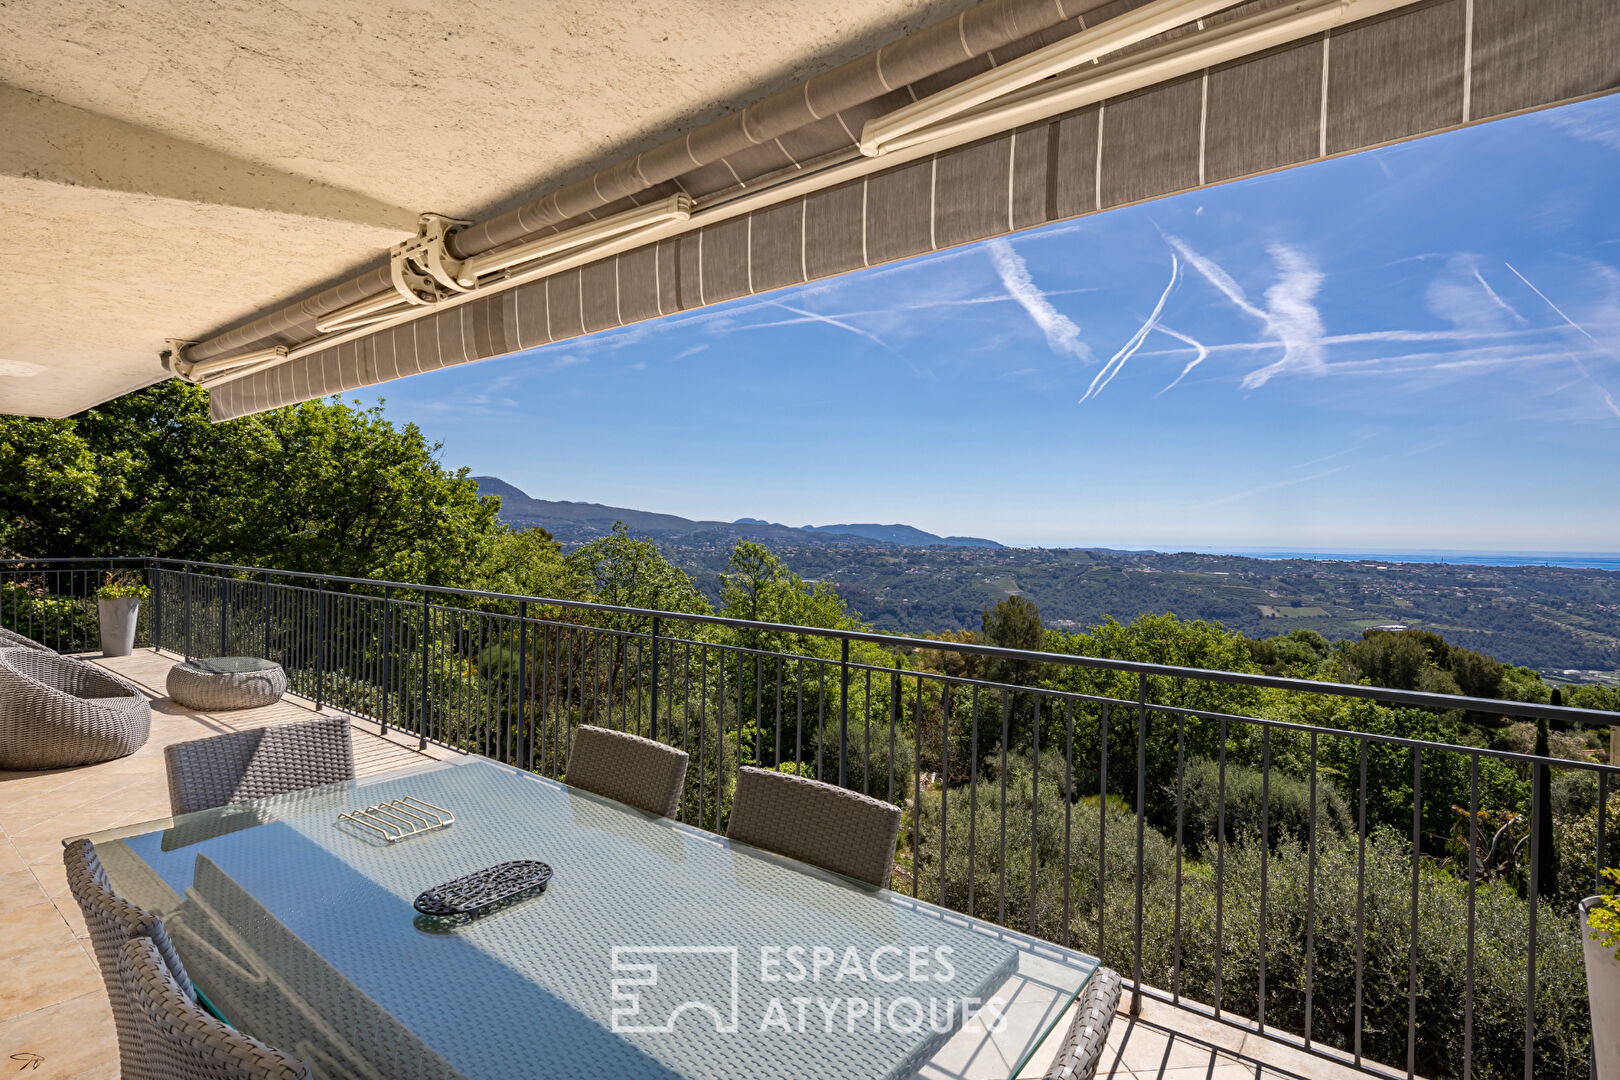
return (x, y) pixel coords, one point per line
(422, 268)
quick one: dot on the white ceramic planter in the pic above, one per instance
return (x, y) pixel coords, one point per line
(118, 625)
(1603, 992)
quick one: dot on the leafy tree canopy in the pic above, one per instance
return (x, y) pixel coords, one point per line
(321, 486)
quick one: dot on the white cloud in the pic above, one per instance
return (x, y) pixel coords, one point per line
(1593, 121)
(1290, 315)
(1461, 296)
(1062, 333)
(833, 321)
(1101, 380)
(1201, 350)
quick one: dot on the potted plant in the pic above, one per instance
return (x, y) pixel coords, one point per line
(118, 603)
(1601, 918)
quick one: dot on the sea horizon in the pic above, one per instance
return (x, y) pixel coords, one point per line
(1586, 560)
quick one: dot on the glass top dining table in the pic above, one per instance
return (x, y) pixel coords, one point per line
(657, 950)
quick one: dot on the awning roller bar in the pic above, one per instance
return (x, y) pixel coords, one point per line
(1050, 97)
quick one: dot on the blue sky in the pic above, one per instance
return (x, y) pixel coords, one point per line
(1413, 347)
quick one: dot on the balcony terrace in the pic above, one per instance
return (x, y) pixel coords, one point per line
(436, 675)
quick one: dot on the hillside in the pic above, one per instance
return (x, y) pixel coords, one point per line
(1549, 618)
(576, 523)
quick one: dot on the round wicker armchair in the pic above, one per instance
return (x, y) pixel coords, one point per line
(10, 639)
(56, 712)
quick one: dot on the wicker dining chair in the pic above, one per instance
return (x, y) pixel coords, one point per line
(1082, 1049)
(832, 827)
(242, 765)
(182, 1042)
(57, 712)
(112, 921)
(10, 639)
(627, 769)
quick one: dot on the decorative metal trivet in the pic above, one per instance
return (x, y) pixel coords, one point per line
(400, 818)
(481, 890)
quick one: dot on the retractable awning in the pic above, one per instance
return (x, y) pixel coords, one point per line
(1013, 114)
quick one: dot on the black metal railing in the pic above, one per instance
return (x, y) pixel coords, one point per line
(1358, 888)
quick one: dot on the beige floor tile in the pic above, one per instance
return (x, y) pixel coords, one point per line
(31, 927)
(1218, 1072)
(52, 877)
(44, 975)
(71, 1040)
(18, 890)
(1149, 1049)
(9, 859)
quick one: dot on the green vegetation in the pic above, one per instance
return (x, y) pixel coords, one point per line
(122, 585)
(1011, 811)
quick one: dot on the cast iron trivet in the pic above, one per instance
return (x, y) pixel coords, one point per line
(483, 889)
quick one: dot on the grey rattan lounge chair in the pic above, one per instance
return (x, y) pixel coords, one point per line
(628, 769)
(243, 765)
(834, 828)
(181, 1041)
(10, 639)
(1082, 1049)
(56, 711)
(112, 921)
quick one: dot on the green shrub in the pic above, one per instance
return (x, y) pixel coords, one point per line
(1246, 799)
(1064, 834)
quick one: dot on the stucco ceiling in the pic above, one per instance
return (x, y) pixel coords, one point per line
(170, 168)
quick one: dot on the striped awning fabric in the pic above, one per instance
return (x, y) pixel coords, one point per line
(1424, 67)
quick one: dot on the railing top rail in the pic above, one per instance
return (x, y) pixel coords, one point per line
(1418, 698)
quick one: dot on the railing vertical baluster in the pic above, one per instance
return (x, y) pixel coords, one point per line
(1220, 868)
(1102, 833)
(1068, 809)
(894, 721)
(843, 715)
(720, 744)
(320, 643)
(1602, 820)
(1412, 941)
(1181, 792)
(264, 592)
(1537, 771)
(1001, 864)
(1035, 815)
(916, 782)
(154, 574)
(1473, 878)
(759, 708)
(1265, 863)
(188, 611)
(224, 614)
(1310, 904)
(387, 649)
(525, 735)
(653, 708)
(1141, 834)
(973, 805)
(703, 738)
(1361, 895)
(422, 706)
(776, 758)
(944, 775)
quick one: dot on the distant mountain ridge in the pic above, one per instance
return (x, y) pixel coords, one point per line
(578, 522)
(902, 535)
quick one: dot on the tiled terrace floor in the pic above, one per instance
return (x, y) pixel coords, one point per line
(54, 1019)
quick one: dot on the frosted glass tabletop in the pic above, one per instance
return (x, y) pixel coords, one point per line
(657, 950)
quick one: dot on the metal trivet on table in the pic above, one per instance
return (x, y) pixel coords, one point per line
(481, 890)
(400, 819)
